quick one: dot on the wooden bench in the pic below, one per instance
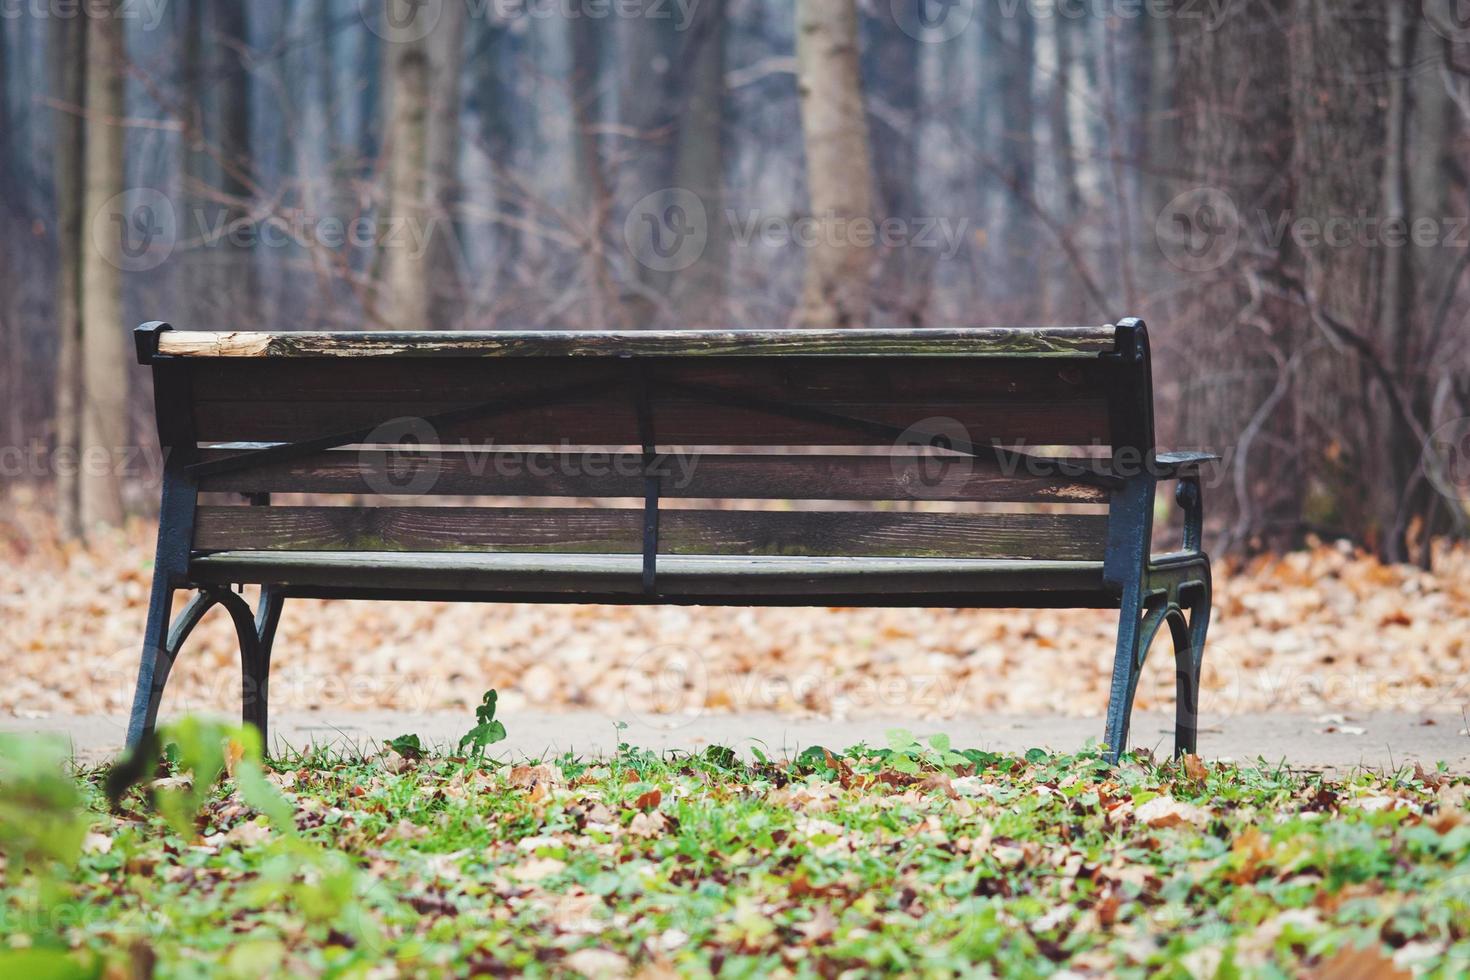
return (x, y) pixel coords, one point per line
(918, 443)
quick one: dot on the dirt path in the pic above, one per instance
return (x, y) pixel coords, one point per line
(1377, 741)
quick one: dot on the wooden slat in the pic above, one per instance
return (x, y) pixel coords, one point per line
(806, 380)
(1011, 400)
(695, 475)
(843, 580)
(676, 422)
(970, 342)
(1066, 537)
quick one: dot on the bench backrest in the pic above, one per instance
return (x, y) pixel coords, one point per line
(614, 437)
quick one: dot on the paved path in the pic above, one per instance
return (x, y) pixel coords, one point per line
(1385, 740)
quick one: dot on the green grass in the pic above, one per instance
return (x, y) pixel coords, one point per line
(914, 858)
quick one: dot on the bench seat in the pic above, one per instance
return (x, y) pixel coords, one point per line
(616, 577)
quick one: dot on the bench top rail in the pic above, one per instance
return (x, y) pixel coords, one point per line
(1062, 342)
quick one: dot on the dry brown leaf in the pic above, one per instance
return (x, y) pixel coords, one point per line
(821, 925)
(248, 834)
(1446, 820)
(404, 829)
(524, 777)
(1165, 811)
(1359, 964)
(597, 963)
(648, 825)
(536, 869)
(802, 887)
(1254, 849)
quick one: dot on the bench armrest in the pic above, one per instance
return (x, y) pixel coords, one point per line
(1189, 494)
(1175, 466)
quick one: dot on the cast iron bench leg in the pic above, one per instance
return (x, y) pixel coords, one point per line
(1189, 651)
(254, 666)
(256, 634)
(1134, 635)
(161, 645)
(1172, 592)
(256, 682)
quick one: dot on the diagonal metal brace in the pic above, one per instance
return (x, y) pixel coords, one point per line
(1007, 460)
(310, 447)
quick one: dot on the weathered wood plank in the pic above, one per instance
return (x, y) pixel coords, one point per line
(572, 576)
(906, 476)
(1061, 537)
(966, 342)
(677, 422)
(1010, 400)
(908, 381)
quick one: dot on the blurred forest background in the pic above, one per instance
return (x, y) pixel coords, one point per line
(1278, 186)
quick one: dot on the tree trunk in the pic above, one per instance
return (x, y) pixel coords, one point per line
(494, 101)
(405, 280)
(700, 291)
(104, 435)
(1338, 98)
(1403, 495)
(1232, 97)
(585, 41)
(837, 291)
(655, 74)
(232, 33)
(892, 73)
(68, 39)
(1017, 157)
(446, 60)
(1063, 304)
(222, 287)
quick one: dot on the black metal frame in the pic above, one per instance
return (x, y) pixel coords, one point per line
(1149, 591)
